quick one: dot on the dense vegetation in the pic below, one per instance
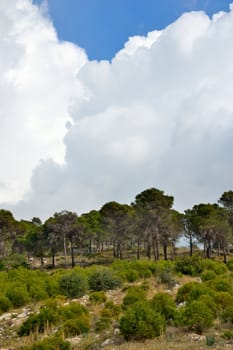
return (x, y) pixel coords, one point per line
(190, 292)
(143, 228)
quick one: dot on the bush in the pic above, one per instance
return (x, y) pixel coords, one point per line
(227, 335)
(217, 267)
(227, 315)
(131, 275)
(230, 264)
(53, 343)
(166, 276)
(221, 284)
(73, 285)
(207, 275)
(192, 291)
(164, 304)
(103, 323)
(18, 295)
(197, 316)
(48, 316)
(134, 295)
(5, 304)
(97, 297)
(141, 322)
(76, 326)
(103, 279)
(210, 340)
(223, 300)
(187, 265)
(112, 308)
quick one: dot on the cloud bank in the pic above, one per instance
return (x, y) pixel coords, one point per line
(77, 133)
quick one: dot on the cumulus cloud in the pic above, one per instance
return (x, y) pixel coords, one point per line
(159, 114)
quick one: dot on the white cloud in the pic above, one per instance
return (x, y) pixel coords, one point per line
(160, 114)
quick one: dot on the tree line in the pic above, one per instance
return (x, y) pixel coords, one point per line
(146, 227)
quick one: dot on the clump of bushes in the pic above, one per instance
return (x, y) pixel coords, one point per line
(73, 318)
(73, 285)
(196, 316)
(5, 304)
(103, 279)
(97, 297)
(140, 322)
(133, 295)
(165, 305)
(51, 343)
(190, 265)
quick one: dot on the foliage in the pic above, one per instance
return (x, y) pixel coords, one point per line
(5, 304)
(140, 322)
(73, 285)
(164, 304)
(190, 265)
(210, 340)
(133, 295)
(192, 291)
(52, 343)
(103, 279)
(167, 276)
(97, 297)
(74, 319)
(196, 316)
(18, 294)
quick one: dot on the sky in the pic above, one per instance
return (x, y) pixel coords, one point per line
(103, 26)
(103, 99)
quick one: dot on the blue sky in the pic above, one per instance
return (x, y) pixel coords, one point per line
(103, 26)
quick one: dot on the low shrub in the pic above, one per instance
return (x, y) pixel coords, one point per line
(5, 304)
(73, 285)
(97, 297)
(192, 291)
(164, 304)
(140, 322)
(53, 343)
(196, 316)
(210, 340)
(103, 279)
(227, 335)
(166, 276)
(190, 265)
(207, 275)
(18, 295)
(133, 295)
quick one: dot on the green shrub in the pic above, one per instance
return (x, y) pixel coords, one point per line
(196, 316)
(187, 265)
(131, 275)
(166, 276)
(230, 264)
(76, 326)
(228, 335)
(53, 343)
(48, 316)
(227, 315)
(140, 322)
(97, 297)
(223, 300)
(217, 267)
(103, 323)
(221, 284)
(5, 304)
(103, 279)
(112, 308)
(192, 291)
(210, 340)
(18, 295)
(164, 304)
(73, 285)
(134, 295)
(207, 275)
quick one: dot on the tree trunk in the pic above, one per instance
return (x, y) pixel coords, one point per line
(138, 249)
(65, 250)
(165, 251)
(190, 245)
